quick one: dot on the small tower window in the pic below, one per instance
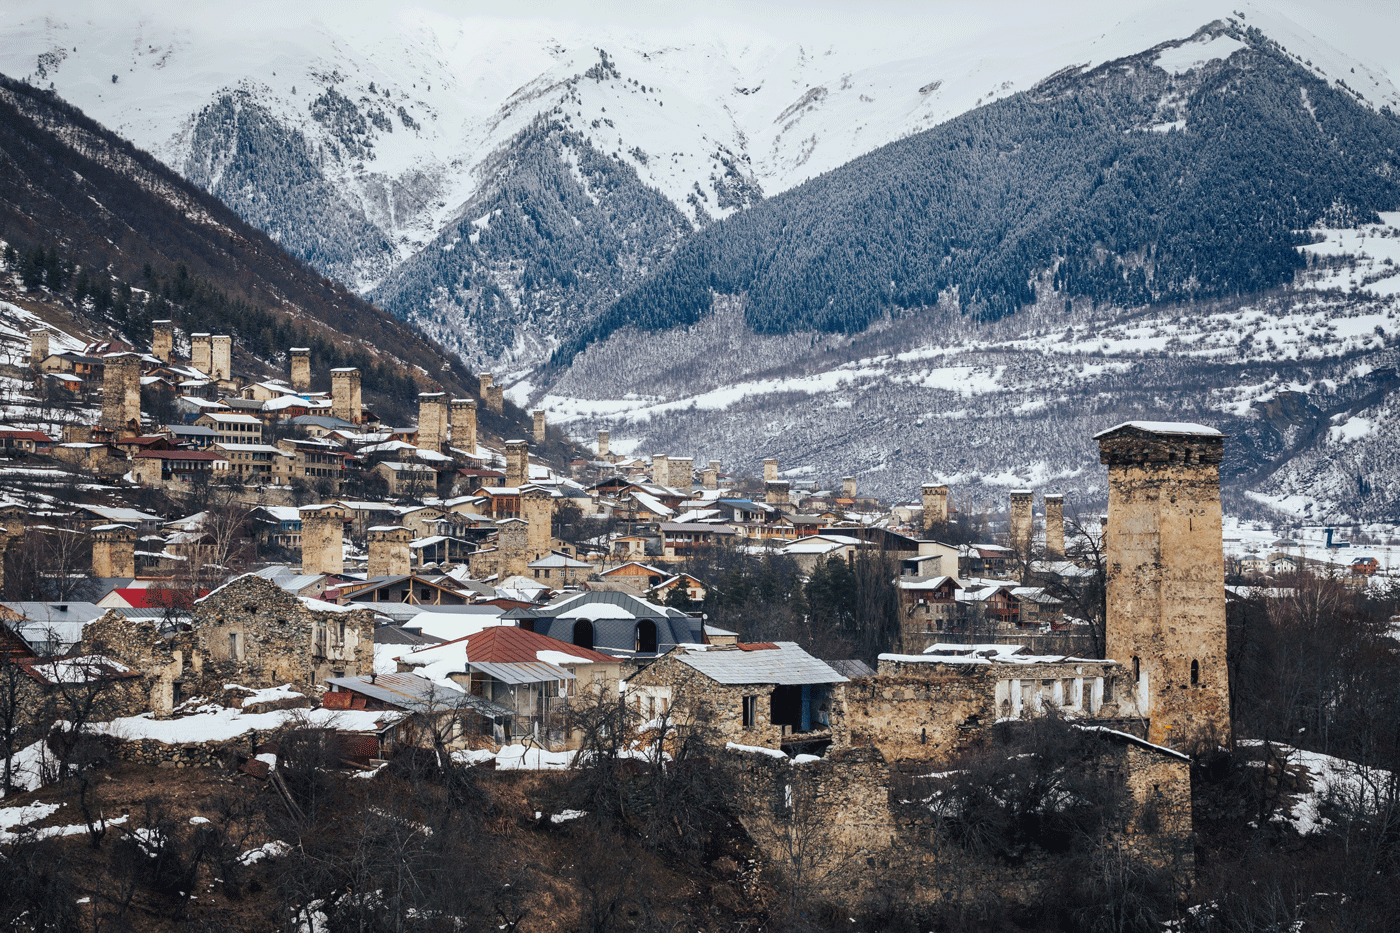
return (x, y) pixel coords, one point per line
(1137, 670)
(1195, 673)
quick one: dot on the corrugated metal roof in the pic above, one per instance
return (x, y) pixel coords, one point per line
(521, 672)
(411, 692)
(787, 664)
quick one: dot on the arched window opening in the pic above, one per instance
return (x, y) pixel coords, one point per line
(646, 637)
(1195, 673)
(583, 634)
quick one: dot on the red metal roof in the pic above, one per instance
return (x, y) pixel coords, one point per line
(39, 436)
(506, 644)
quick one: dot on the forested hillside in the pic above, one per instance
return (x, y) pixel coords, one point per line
(1139, 182)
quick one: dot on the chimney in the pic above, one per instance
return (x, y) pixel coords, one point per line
(346, 402)
(848, 487)
(1055, 526)
(432, 421)
(121, 393)
(389, 553)
(201, 353)
(538, 415)
(38, 346)
(517, 463)
(604, 450)
(300, 358)
(162, 340)
(464, 424)
(770, 470)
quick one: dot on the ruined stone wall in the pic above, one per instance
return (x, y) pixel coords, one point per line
(463, 415)
(1054, 526)
(300, 358)
(163, 340)
(322, 539)
(432, 420)
(1166, 586)
(163, 659)
(121, 393)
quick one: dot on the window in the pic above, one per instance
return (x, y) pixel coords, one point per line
(1195, 673)
(1137, 671)
(233, 646)
(750, 711)
(646, 637)
(583, 634)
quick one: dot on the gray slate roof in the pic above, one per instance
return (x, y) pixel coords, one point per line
(787, 665)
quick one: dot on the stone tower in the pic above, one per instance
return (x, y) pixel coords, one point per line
(1054, 526)
(1166, 577)
(322, 539)
(221, 356)
(770, 470)
(432, 420)
(121, 392)
(345, 395)
(162, 340)
(538, 416)
(300, 358)
(389, 553)
(848, 487)
(496, 399)
(114, 551)
(38, 346)
(1022, 522)
(682, 473)
(935, 507)
(660, 469)
(604, 442)
(537, 508)
(711, 478)
(487, 380)
(200, 353)
(517, 463)
(463, 414)
(776, 492)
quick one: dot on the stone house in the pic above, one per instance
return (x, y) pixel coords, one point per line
(12, 441)
(928, 607)
(154, 467)
(262, 464)
(407, 479)
(770, 695)
(232, 427)
(433, 710)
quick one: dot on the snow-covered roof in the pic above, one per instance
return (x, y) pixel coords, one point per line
(783, 663)
(1163, 427)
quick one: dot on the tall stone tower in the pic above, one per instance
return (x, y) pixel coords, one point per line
(770, 470)
(604, 445)
(935, 507)
(200, 353)
(163, 340)
(486, 380)
(221, 356)
(432, 420)
(1054, 525)
(848, 487)
(496, 399)
(517, 463)
(389, 553)
(1022, 522)
(38, 346)
(682, 473)
(660, 469)
(1166, 577)
(776, 492)
(463, 414)
(121, 392)
(345, 395)
(538, 415)
(537, 508)
(711, 478)
(322, 539)
(300, 358)
(114, 551)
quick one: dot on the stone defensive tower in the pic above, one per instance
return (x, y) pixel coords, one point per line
(463, 414)
(770, 470)
(322, 539)
(604, 442)
(848, 487)
(114, 551)
(345, 395)
(163, 340)
(38, 346)
(517, 463)
(1166, 577)
(537, 508)
(1054, 525)
(221, 356)
(776, 492)
(538, 416)
(389, 553)
(496, 399)
(660, 469)
(432, 420)
(682, 473)
(711, 477)
(935, 507)
(486, 380)
(1022, 522)
(200, 353)
(300, 359)
(121, 392)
